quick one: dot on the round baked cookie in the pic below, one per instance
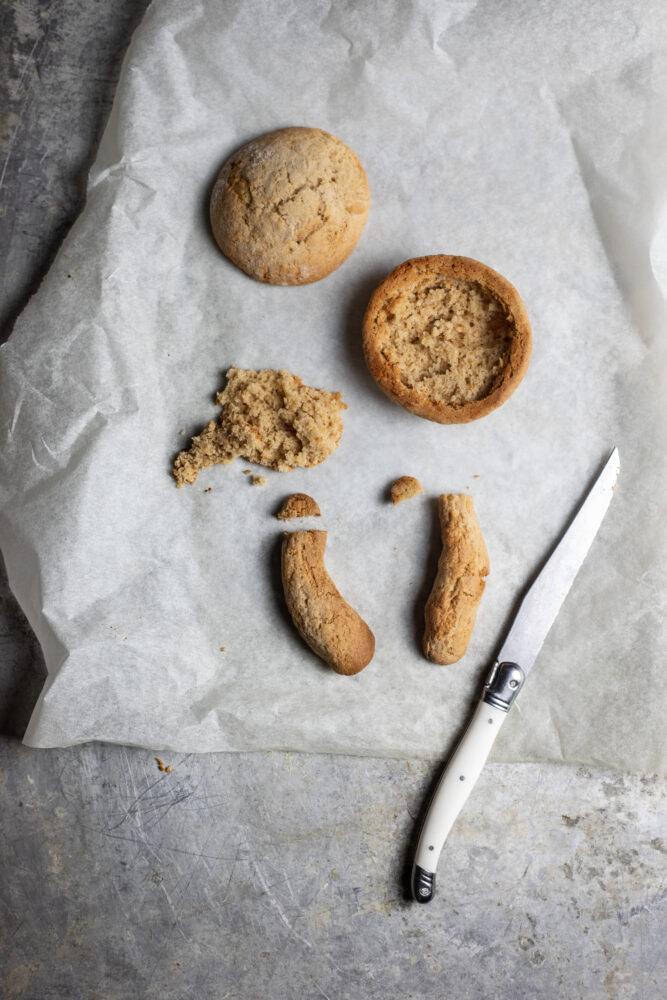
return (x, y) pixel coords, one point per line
(289, 207)
(448, 338)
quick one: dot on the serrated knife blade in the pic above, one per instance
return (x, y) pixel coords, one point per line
(540, 607)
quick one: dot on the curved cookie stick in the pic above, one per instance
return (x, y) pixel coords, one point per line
(459, 584)
(324, 619)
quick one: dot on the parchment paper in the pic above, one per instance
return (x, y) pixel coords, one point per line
(528, 136)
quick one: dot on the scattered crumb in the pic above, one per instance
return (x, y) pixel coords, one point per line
(298, 505)
(475, 477)
(160, 764)
(258, 480)
(168, 769)
(182, 431)
(246, 472)
(69, 275)
(207, 490)
(222, 649)
(395, 548)
(405, 488)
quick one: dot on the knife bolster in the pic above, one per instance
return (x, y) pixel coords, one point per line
(503, 685)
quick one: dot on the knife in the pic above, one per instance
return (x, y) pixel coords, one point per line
(536, 615)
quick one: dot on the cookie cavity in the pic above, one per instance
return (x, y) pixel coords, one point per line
(448, 338)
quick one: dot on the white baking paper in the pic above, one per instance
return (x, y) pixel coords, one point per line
(529, 136)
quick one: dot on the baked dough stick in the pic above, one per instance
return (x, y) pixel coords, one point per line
(324, 620)
(459, 584)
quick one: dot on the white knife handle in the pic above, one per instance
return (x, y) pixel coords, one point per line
(456, 784)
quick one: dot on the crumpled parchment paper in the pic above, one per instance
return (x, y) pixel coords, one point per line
(529, 137)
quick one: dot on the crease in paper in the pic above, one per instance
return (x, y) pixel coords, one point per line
(530, 141)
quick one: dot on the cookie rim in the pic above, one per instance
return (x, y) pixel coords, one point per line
(465, 269)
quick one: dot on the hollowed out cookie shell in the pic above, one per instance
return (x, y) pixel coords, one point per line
(447, 338)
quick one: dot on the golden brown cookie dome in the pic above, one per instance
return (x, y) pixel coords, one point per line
(289, 207)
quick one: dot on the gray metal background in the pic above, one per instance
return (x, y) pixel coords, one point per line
(273, 875)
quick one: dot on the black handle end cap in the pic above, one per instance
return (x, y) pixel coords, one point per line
(423, 885)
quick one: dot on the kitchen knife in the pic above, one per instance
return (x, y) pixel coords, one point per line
(535, 616)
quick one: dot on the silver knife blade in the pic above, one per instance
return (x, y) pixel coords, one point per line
(540, 606)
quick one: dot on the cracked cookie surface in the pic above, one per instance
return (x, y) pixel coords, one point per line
(289, 207)
(448, 338)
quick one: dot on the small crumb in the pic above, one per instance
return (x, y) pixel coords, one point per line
(405, 488)
(258, 480)
(395, 548)
(182, 431)
(475, 477)
(298, 505)
(69, 275)
(160, 764)
(246, 472)
(208, 490)
(222, 649)
(168, 769)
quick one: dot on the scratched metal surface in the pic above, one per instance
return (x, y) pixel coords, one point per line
(274, 875)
